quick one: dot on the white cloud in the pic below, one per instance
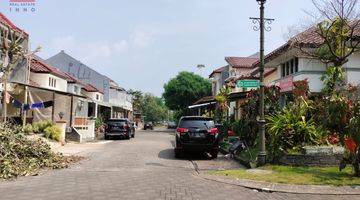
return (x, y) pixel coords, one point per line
(141, 38)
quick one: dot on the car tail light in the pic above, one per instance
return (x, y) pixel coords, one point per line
(182, 131)
(213, 131)
(126, 126)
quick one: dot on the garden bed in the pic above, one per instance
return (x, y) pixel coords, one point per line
(295, 175)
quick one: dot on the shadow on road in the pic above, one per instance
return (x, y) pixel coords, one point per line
(170, 155)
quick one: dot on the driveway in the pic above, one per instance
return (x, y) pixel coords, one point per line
(142, 168)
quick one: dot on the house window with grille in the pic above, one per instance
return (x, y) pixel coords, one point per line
(52, 82)
(290, 67)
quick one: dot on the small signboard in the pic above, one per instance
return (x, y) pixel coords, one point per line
(248, 84)
(286, 84)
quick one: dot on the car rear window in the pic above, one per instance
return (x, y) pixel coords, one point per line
(116, 123)
(196, 123)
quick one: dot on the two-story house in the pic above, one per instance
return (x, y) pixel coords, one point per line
(121, 101)
(293, 64)
(114, 100)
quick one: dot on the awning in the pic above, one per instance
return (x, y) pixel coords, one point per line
(201, 105)
(105, 104)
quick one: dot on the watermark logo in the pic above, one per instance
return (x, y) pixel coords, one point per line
(22, 6)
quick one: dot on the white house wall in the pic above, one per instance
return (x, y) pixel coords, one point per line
(216, 83)
(71, 88)
(353, 69)
(43, 80)
(315, 83)
(92, 95)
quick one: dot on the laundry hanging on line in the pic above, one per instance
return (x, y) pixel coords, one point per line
(16, 103)
(37, 105)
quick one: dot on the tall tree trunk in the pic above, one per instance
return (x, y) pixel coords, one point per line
(5, 97)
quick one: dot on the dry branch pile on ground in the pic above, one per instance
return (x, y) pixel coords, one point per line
(21, 156)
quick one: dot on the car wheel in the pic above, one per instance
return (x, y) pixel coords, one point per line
(214, 153)
(133, 135)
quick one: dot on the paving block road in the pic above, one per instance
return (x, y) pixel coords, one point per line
(140, 168)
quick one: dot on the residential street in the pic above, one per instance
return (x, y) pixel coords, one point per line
(142, 168)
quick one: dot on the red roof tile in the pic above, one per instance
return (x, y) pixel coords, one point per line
(254, 74)
(70, 78)
(39, 66)
(205, 100)
(241, 62)
(91, 88)
(4, 20)
(219, 70)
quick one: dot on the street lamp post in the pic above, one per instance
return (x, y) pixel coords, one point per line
(262, 28)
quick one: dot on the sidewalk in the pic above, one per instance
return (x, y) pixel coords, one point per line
(73, 148)
(283, 188)
(78, 149)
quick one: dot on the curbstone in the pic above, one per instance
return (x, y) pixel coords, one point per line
(284, 188)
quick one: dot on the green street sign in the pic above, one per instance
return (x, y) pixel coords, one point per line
(248, 84)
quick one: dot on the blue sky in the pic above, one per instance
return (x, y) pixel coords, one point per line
(141, 44)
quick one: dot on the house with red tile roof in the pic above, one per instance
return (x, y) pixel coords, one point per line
(117, 103)
(292, 64)
(225, 76)
(236, 67)
(46, 76)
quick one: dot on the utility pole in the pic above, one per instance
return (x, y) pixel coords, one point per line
(261, 21)
(27, 82)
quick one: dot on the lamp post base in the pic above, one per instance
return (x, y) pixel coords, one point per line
(262, 158)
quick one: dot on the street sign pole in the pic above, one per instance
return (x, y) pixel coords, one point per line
(262, 28)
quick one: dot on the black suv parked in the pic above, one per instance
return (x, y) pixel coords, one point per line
(197, 134)
(118, 127)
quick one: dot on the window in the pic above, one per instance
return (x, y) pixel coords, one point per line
(287, 68)
(290, 67)
(97, 96)
(283, 70)
(52, 82)
(296, 65)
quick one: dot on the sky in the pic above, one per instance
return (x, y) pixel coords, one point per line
(142, 44)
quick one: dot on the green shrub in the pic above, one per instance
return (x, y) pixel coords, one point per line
(292, 128)
(99, 121)
(28, 129)
(39, 127)
(53, 132)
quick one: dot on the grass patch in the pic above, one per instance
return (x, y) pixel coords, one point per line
(296, 175)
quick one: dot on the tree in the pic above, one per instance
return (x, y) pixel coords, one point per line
(137, 99)
(183, 90)
(153, 108)
(338, 37)
(339, 32)
(223, 100)
(11, 52)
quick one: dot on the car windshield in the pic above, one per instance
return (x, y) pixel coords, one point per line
(197, 123)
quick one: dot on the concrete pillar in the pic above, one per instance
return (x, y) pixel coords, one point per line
(62, 126)
(96, 110)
